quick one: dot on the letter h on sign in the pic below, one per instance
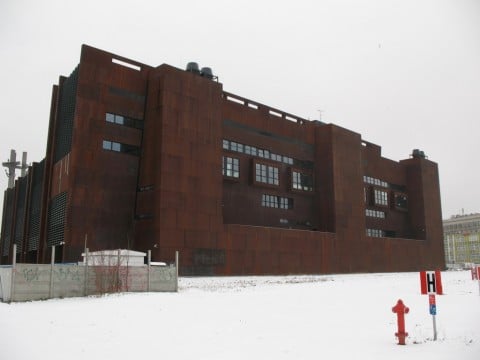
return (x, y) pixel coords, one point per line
(431, 282)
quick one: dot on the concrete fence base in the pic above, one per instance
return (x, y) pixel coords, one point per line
(26, 282)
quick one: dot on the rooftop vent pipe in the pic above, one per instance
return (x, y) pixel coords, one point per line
(419, 154)
(207, 72)
(193, 68)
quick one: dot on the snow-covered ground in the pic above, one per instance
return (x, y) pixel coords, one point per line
(291, 317)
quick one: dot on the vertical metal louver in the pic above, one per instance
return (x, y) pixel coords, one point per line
(64, 129)
(9, 197)
(56, 219)
(35, 207)
(20, 212)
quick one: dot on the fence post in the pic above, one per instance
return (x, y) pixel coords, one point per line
(14, 265)
(52, 261)
(176, 269)
(86, 271)
(149, 260)
(118, 270)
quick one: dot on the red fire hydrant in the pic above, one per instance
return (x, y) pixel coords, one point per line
(400, 309)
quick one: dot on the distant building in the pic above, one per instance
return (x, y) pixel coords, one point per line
(462, 239)
(160, 158)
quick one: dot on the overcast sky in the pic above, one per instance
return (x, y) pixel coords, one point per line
(403, 73)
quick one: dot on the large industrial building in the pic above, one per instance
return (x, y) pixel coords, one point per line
(161, 158)
(462, 240)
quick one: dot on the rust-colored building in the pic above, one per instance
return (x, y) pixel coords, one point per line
(164, 159)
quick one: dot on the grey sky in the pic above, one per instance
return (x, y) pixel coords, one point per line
(405, 74)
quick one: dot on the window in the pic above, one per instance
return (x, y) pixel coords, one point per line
(302, 181)
(374, 181)
(277, 202)
(118, 147)
(380, 197)
(262, 153)
(272, 175)
(287, 160)
(269, 201)
(123, 120)
(230, 167)
(236, 146)
(250, 150)
(375, 213)
(266, 174)
(285, 203)
(226, 144)
(375, 233)
(107, 145)
(276, 157)
(400, 201)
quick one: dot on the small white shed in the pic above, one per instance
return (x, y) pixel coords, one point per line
(111, 258)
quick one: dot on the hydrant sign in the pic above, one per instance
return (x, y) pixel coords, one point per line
(432, 304)
(431, 282)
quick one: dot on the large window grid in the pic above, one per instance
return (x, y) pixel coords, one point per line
(301, 181)
(278, 202)
(266, 174)
(380, 197)
(375, 213)
(254, 151)
(230, 167)
(375, 233)
(381, 183)
(374, 181)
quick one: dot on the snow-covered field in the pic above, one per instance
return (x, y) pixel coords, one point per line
(291, 317)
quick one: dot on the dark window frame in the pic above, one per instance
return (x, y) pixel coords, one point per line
(266, 174)
(400, 201)
(277, 202)
(122, 120)
(301, 181)
(380, 197)
(231, 167)
(115, 146)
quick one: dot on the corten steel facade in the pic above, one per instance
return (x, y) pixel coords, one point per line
(164, 159)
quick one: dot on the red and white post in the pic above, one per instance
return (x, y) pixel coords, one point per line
(431, 284)
(476, 275)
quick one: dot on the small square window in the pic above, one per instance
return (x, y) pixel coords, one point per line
(119, 119)
(110, 118)
(116, 146)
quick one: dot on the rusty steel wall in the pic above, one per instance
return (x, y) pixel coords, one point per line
(171, 195)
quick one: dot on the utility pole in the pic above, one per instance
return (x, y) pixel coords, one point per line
(12, 164)
(320, 112)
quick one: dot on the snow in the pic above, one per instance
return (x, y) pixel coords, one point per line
(287, 317)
